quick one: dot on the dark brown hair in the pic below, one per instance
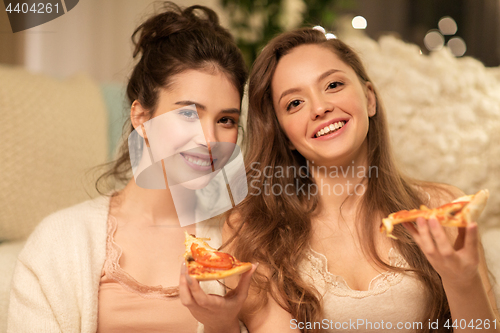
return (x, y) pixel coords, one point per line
(169, 43)
(276, 230)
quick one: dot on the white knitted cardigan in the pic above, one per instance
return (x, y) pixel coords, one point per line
(56, 281)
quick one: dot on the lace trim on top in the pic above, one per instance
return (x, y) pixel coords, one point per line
(339, 287)
(113, 270)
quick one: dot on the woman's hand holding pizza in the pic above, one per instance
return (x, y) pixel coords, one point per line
(204, 263)
(457, 264)
(458, 260)
(217, 313)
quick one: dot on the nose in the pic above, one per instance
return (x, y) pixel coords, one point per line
(319, 106)
(208, 136)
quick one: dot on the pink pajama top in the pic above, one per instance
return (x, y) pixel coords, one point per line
(126, 305)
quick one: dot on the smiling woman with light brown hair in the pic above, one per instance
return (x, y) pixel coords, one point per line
(312, 222)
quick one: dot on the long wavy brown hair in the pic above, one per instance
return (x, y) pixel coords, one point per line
(276, 230)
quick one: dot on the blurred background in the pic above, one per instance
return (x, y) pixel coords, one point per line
(94, 37)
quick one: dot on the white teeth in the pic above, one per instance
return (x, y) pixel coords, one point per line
(330, 128)
(197, 161)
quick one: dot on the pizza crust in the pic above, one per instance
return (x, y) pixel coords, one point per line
(474, 209)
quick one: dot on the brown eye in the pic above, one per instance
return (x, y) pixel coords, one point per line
(334, 85)
(227, 121)
(293, 104)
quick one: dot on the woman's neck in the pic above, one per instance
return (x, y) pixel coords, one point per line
(148, 207)
(342, 184)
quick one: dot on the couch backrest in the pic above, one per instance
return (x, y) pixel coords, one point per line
(51, 132)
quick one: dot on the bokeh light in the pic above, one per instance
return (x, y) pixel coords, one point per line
(457, 46)
(447, 26)
(433, 40)
(359, 22)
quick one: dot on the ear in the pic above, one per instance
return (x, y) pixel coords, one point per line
(138, 116)
(371, 99)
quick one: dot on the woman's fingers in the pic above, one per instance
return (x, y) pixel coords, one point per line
(241, 291)
(425, 240)
(192, 294)
(471, 241)
(197, 293)
(460, 240)
(190, 291)
(441, 240)
(450, 261)
(411, 229)
(184, 292)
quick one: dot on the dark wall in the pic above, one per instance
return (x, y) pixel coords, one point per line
(478, 22)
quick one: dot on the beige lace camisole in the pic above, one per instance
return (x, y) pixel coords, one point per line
(393, 302)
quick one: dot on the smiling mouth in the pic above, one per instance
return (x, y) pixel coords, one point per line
(194, 160)
(330, 128)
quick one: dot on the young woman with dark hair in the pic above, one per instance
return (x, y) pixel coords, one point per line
(105, 265)
(321, 177)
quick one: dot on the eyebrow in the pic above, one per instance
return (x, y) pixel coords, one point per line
(204, 108)
(321, 77)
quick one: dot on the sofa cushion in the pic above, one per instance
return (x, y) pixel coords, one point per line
(492, 253)
(52, 131)
(8, 258)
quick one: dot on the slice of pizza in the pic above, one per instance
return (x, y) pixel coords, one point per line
(206, 263)
(458, 213)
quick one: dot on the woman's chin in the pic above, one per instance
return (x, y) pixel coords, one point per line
(198, 183)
